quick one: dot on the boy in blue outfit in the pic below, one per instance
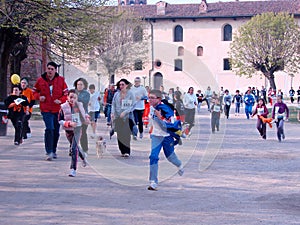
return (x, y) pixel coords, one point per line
(160, 138)
(249, 101)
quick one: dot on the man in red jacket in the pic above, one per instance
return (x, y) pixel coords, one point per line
(51, 90)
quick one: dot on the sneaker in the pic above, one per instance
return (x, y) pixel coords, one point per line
(126, 155)
(152, 186)
(28, 135)
(72, 173)
(16, 143)
(180, 171)
(84, 162)
(283, 136)
(141, 135)
(49, 157)
(54, 156)
(134, 137)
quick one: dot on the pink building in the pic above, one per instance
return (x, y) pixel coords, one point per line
(190, 44)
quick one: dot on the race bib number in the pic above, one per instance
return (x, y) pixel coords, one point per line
(217, 108)
(75, 117)
(260, 111)
(126, 104)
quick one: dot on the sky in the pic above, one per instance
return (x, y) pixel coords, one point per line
(190, 1)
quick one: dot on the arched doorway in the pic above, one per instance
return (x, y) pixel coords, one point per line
(157, 80)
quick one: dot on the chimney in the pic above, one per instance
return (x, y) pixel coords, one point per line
(161, 8)
(203, 7)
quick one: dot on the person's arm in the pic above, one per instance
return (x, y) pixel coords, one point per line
(36, 90)
(287, 111)
(64, 94)
(185, 100)
(113, 106)
(254, 113)
(273, 112)
(9, 102)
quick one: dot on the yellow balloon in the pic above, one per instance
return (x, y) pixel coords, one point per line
(15, 79)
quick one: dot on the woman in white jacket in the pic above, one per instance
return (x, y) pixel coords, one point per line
(190, 102)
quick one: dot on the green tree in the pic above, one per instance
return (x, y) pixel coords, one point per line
(268, 43)
(126, 44)
(72, 27)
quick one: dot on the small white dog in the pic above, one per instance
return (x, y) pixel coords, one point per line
(100, 146)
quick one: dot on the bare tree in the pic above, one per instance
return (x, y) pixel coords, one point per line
(126, 44)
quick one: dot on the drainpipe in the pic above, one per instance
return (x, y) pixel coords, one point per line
(152, 53)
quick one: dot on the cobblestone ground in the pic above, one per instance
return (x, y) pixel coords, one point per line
(231, 177)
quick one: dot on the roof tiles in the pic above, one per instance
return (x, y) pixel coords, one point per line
(219, 9)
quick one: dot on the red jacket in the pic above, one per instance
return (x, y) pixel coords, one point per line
(59, 91)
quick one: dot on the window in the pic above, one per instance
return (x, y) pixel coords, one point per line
(199, 51)
(157, 64)
(226, 64)
(137, 34)
(138, 65)
(178, 34)
(178, 65)
(180, 51)
(227, 33)
(158, 80)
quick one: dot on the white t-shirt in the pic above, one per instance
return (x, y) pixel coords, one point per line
(94, 104)
(189, 101)
(139, 92)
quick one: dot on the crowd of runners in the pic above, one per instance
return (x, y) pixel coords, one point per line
(128, 108)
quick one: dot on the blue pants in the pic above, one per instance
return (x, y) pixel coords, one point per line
(158, 142)
(51, 135)
(280, 131)
(248, 110)
(108, 113)
(237, 107)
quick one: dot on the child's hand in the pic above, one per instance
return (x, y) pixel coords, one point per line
(73, 124)
(12, 105)
(157, 113)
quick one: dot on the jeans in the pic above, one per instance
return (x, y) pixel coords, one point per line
(280, 131)
(108, 113)
(73, 138)
(208, 102)
(261, 127)
(158, 142)
(51, 135)
(199, 107)
(237, 107)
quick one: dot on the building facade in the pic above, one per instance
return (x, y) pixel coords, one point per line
(190, 44)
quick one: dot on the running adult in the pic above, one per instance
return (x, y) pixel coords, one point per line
(51, 90)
